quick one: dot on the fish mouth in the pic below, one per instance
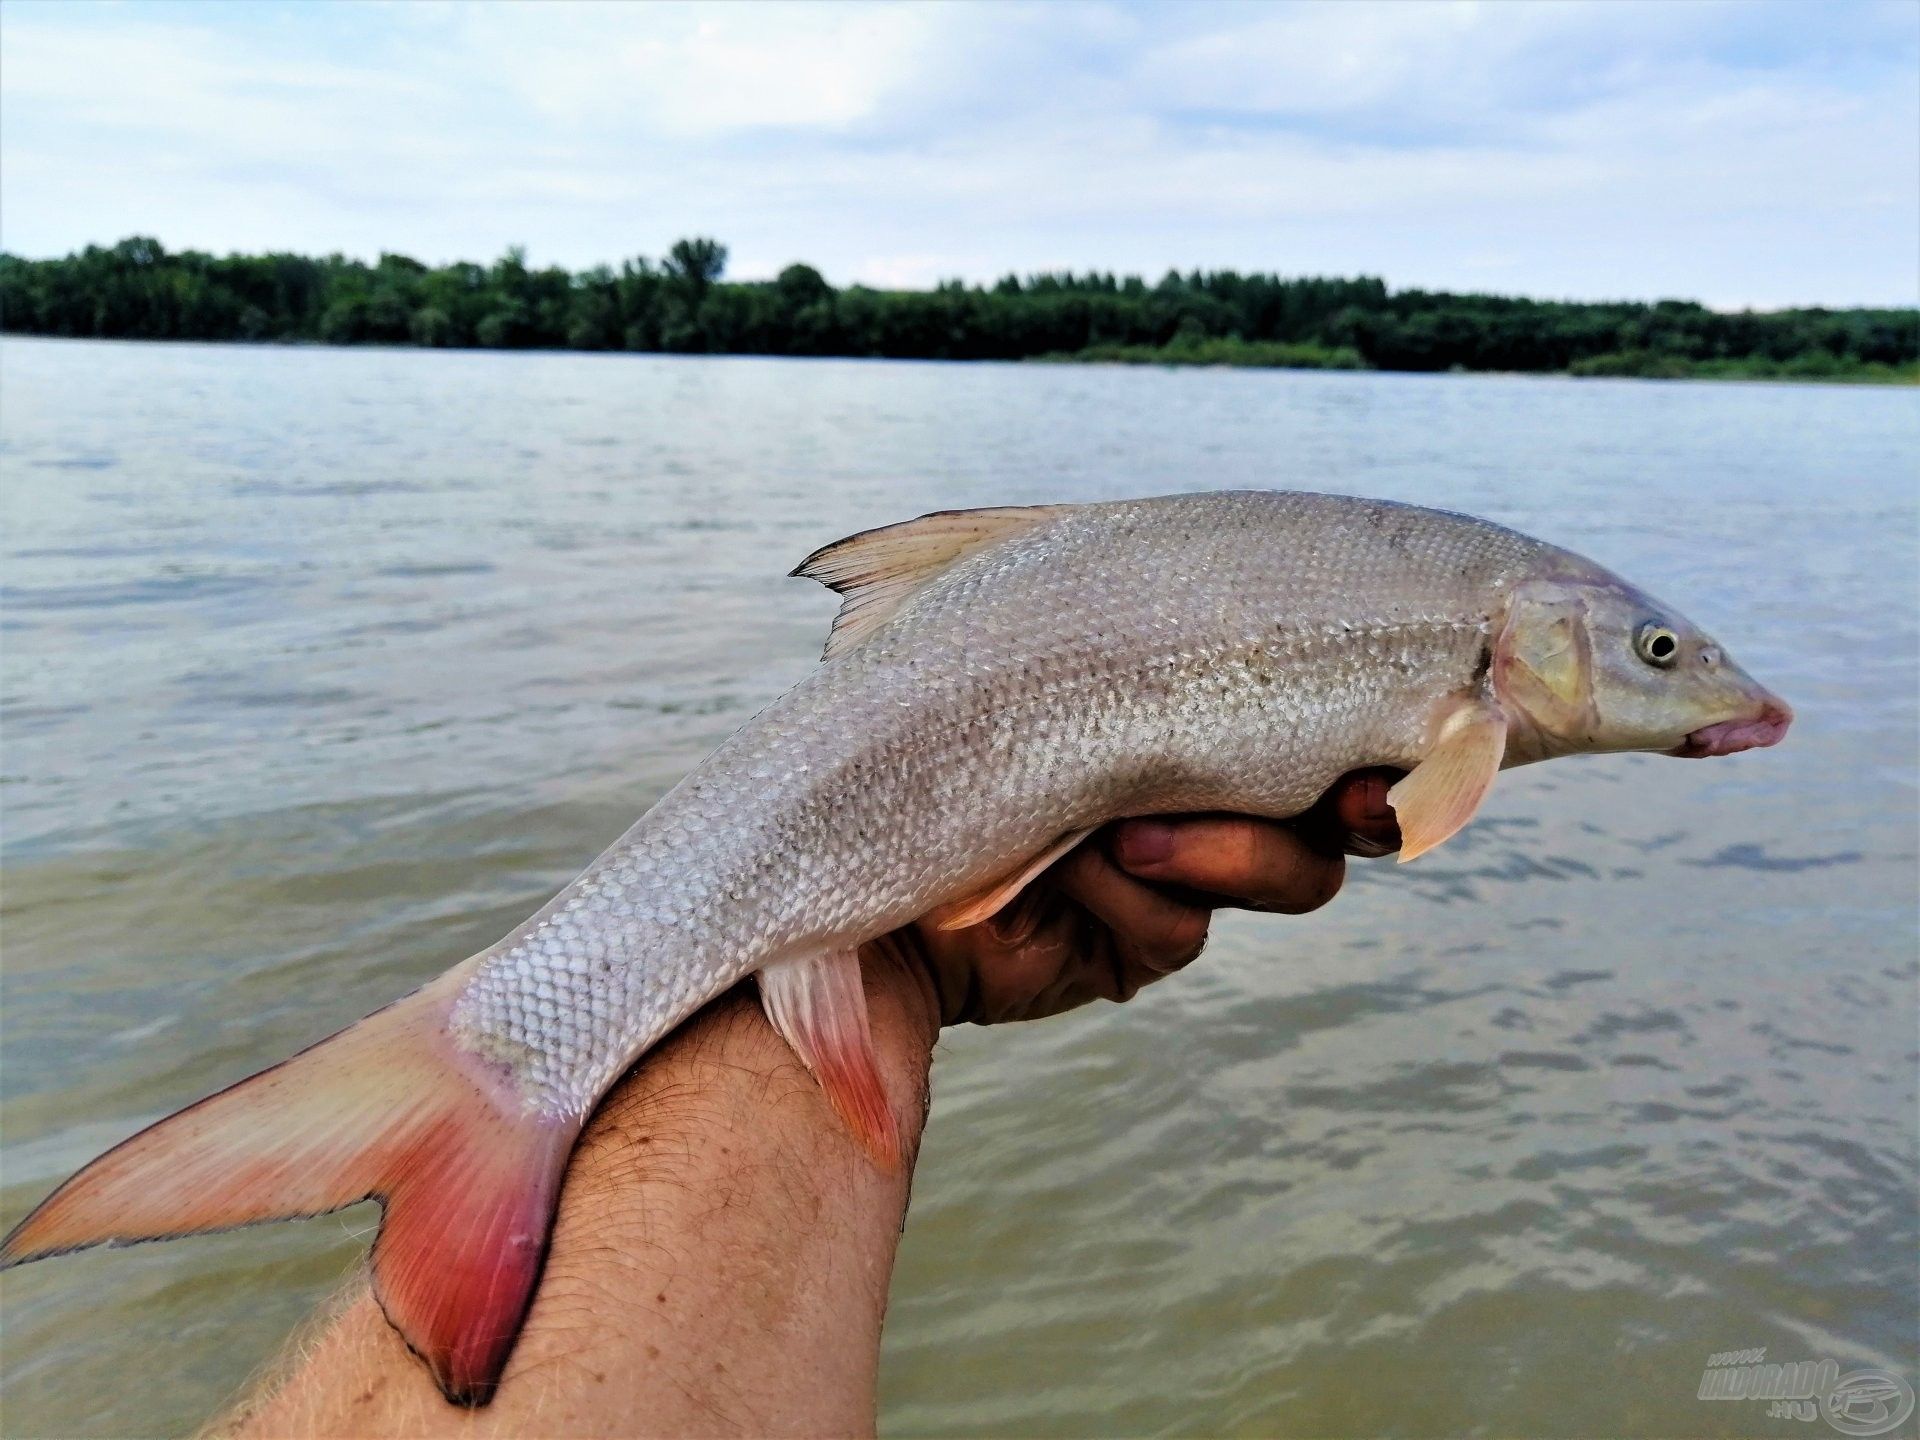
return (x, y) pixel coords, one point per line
(1730, 737)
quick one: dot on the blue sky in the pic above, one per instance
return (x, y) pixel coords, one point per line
(1760, 153)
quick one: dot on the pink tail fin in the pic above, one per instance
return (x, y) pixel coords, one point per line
(387, 1109)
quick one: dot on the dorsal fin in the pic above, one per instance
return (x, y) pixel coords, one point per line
(875, 571)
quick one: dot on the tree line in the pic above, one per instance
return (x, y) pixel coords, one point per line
(681, 303)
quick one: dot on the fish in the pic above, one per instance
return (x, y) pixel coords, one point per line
(998, 684)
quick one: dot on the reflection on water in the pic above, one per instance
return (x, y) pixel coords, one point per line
(323, 668)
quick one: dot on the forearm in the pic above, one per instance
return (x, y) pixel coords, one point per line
(719, 1264)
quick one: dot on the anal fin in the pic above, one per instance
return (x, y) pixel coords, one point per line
(819, 1006)
(1440, 794)
(973, 909)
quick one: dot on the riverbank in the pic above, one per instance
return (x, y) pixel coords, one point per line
(1226, 350)
(1233, 353)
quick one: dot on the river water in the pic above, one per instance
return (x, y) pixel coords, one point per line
(325, 667)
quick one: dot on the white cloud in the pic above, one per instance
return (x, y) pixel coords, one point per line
(1326, 60)
(1741, 153)
(691, 70)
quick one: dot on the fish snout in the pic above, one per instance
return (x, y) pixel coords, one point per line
(1765, 724)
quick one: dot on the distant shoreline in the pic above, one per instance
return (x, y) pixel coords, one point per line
(680, 304)
(1130, 357)
(1245, 355)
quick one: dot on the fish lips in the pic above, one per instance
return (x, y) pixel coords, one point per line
(1747, 732)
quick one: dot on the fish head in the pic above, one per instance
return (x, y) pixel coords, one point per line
(1586, 663)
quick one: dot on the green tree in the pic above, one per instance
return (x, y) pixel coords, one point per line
(695, 265)
(800, 286)
(507, 327)
(431, 326)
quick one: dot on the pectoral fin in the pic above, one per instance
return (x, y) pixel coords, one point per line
(989, 902)
(1443, 791)
(819, 1006)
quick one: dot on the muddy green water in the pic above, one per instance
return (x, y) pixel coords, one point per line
(323, 668)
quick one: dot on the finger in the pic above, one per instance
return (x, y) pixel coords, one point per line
(1361, 807)
(1149, 927)
(1355, 815)
(1251, 862)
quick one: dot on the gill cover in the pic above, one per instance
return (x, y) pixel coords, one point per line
(1543, 665)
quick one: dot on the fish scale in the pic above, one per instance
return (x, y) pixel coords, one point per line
(1179, 668)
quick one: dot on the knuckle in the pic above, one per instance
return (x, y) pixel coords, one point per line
(1312, 885)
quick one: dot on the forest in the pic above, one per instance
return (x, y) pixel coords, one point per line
(681, 303)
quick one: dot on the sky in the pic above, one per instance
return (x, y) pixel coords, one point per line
(1742, 152)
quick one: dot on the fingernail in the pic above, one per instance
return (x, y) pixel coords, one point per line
(1144, 842)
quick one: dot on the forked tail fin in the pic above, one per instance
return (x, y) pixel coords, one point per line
(387, 1109)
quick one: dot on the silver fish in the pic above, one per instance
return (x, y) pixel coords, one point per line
(998, 684)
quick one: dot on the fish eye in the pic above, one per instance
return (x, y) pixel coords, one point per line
(1657, 645)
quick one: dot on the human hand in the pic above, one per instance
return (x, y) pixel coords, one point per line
(1132, 904)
